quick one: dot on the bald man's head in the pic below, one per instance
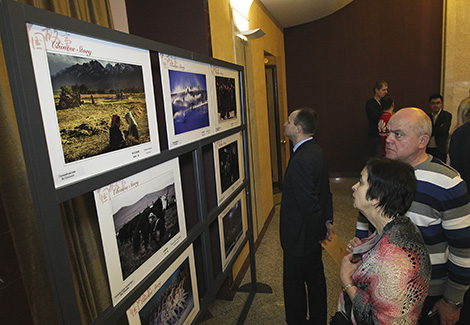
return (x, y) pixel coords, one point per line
(410, 129)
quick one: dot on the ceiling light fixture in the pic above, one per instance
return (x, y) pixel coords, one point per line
(251, 34)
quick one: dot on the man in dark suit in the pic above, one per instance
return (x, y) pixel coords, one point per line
(441, 121)
(305, 220)
(374, 112)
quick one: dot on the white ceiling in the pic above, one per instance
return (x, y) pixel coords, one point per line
(290, 13)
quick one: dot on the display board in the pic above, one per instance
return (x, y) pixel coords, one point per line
(89, 103)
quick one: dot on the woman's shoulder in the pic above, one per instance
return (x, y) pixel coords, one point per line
(404, 233)
(401, 223)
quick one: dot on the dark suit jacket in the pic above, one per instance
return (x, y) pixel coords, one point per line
(306, 201)
(374, 112)
(459, 152)
(440, 130)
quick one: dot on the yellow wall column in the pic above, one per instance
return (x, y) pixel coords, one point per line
(456, 55)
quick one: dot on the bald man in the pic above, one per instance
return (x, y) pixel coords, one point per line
(441, 210)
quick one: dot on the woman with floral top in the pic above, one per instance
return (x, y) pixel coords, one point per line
(385, 280)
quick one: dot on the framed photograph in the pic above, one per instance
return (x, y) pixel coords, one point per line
(172, 299)
(228, 163)
(187, 99)
(232, 228)
(97, 102)
(226, 85)
(141, 221)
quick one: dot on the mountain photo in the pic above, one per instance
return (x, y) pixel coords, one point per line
(100, 105)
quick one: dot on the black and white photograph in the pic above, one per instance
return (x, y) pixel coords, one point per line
(232, 228)
(172, 299)
(97, 103)
(144, 226)
(141, 221)
(228, 160)
(229, 168)
(227, 98)
(187, 99)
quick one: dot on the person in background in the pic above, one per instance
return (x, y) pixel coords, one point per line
(387, 278)
(441, 121)
(441, 210)
(374, 112)
(116, 137)
(459, 149)
(306, 218)
(388, 106)
(459, 156)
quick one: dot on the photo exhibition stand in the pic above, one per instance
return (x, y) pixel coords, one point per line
(153, 139)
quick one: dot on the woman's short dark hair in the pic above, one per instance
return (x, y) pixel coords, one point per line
(386, 102)
(393, 183)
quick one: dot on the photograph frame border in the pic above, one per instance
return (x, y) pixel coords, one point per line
(120, 287)
(40, 43)
(139, 304)
(169, 62)
(227, 259)
(217, 71)
(222, 196)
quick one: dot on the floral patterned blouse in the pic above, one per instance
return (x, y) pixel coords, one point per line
(393, 279)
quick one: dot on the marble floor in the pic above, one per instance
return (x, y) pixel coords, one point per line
(269, 308)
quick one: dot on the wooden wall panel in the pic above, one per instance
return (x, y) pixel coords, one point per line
(333, 63)
(184, 24)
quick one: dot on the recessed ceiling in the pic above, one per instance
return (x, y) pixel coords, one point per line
(290, 13)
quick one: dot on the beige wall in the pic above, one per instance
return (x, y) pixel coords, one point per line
(456, 55)
(250, 54)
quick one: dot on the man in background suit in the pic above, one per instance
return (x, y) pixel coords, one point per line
(374, 112)
(441, 120)
(305, 220)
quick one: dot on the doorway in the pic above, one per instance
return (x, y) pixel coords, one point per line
(273, 119)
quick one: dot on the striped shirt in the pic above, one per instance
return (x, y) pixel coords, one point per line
(441, 210)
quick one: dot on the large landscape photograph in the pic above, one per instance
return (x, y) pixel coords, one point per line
(100, 105)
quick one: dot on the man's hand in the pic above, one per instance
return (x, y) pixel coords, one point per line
(329, 231)
(353, 243)
(449, 315)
